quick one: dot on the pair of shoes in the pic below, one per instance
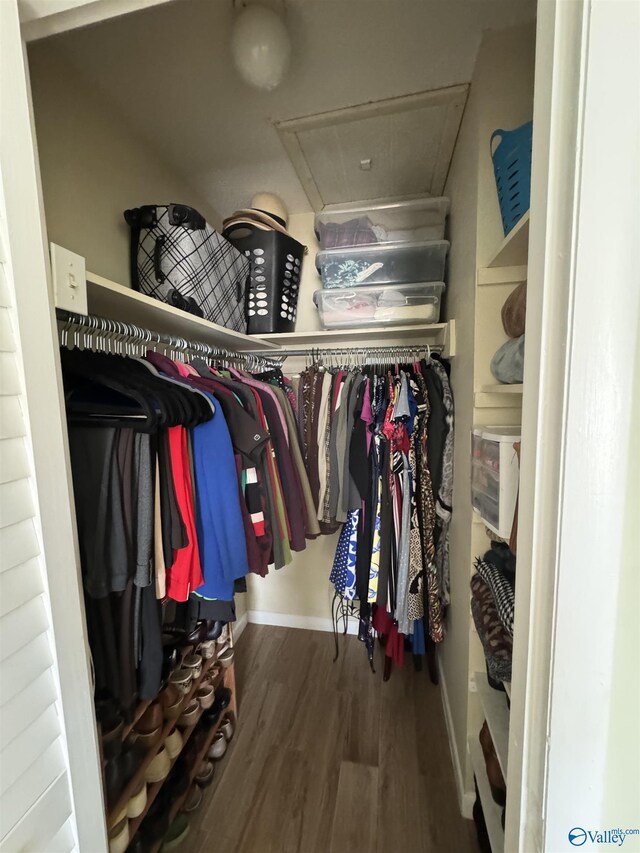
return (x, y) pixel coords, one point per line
(206, 631)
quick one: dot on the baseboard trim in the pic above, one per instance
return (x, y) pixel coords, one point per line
(466, 798)
(239, 625)
(289, 620)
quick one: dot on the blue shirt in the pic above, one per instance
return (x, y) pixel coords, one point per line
(219, 524)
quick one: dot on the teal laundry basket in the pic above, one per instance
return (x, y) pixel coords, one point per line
(512, 168)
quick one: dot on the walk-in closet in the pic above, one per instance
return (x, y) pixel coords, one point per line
(287, 500)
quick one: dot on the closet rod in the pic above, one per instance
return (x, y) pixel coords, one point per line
(383, 353)
(88, 331)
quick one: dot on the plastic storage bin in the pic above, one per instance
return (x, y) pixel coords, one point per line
(495, 476)
(512, 169)
(379, 306)
(415, 221)
(276, 266)
(391, 263)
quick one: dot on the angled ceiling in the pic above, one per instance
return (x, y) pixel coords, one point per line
(400, 147)
(168, 71)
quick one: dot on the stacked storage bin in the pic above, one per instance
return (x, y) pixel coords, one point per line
(495, 475)
(381, 264)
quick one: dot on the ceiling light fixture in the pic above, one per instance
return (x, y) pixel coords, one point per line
(261, 47)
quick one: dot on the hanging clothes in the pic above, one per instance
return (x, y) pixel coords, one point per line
(378, 448)
(186, 478)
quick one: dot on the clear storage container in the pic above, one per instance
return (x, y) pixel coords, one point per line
(495, 475)
(386, 305)
(392, 263)
(415, 221)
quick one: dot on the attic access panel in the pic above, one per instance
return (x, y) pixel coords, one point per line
(396, 148)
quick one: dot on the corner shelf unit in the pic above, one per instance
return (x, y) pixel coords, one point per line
(495, 280)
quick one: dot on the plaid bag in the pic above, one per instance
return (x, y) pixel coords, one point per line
(178, 258)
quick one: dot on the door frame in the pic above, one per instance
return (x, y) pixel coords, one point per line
(548, 716)
(578, 450)
(38, 344)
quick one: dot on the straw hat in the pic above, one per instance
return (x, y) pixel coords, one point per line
(267, 212)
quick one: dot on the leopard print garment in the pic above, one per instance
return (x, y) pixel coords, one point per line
(445, 493)
(427, 516)
(415, 601)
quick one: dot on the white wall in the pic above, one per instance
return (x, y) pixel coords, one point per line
(94, 167)
(501, 95)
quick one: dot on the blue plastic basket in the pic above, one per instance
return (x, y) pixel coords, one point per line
(512, 167)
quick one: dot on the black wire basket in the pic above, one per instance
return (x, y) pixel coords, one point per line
(276, 267)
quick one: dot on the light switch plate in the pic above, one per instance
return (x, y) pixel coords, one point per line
(69, 280)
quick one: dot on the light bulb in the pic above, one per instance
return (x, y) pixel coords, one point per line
(260, 47)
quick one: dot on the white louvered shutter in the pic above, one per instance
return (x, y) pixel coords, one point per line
(36, 813)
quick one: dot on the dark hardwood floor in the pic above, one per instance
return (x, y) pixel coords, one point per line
(328, 758)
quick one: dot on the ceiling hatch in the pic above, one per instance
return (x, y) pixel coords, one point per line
(396, 148)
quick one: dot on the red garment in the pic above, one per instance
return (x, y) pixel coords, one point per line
(384, 624)
(185, 573)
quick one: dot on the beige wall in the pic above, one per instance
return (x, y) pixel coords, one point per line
(462, 190)
(501, 95)
(302, 588)
(94, 167)
(301, 227)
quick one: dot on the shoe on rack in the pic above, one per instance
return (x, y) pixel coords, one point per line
(218, 747)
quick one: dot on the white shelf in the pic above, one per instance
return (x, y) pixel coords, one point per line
(115, 302)
(496, 713)
(440, 334)
(501, 389)
(491, 810)
(498, 397)
(501, 275)
(514, 249)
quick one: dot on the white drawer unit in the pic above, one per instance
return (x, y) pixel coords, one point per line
(494, 476)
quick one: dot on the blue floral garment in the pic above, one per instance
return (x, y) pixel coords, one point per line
(343, 573)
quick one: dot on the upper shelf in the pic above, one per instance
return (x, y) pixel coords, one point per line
(433, 333)
(514, 249)
(115, 302)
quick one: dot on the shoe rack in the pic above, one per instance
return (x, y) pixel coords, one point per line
(225, 678)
